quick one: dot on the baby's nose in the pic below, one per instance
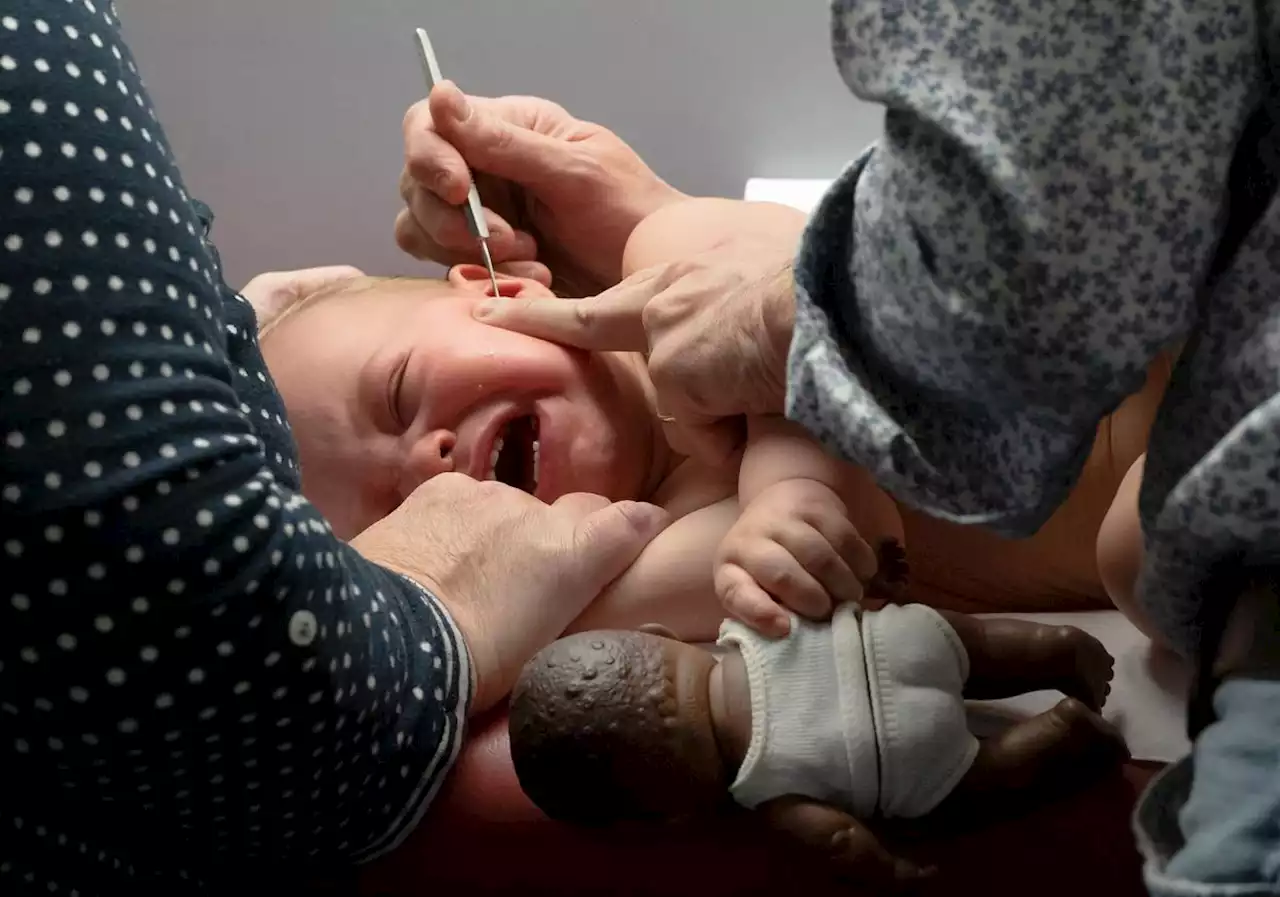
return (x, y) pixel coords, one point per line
(431, 455)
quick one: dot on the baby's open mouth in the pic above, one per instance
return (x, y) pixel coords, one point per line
(514, 458)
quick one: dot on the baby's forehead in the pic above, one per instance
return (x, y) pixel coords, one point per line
(352, 295)
(413, 296)
(384, 298)
(373, 287)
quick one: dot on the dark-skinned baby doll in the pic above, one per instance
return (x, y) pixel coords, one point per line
(839, 722)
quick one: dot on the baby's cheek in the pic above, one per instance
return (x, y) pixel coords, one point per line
(601, 457)
(606, 466)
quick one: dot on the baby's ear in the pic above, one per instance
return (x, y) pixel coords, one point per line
(659, 630)
(475, 279)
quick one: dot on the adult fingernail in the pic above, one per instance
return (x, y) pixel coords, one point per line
(657, 516)
(462, 108)
(523, 245)
(486, 309)
(647, 519)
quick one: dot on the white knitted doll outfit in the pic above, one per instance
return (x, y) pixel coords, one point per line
(866, 712)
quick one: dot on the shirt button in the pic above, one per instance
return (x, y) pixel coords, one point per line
(302, 628)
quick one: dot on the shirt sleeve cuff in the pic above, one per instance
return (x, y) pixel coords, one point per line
(456, 693)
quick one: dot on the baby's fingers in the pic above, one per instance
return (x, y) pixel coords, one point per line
(834, 554)
(744, 600)
(781, 571)
(843, 537)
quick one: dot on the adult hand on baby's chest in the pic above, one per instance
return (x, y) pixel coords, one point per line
(512, 571)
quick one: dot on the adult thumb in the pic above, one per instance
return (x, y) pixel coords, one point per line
(609, 540)
(494, 144)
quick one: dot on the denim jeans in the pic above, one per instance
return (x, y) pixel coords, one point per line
(1209, 826)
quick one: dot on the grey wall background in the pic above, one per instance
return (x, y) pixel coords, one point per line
(285, 114)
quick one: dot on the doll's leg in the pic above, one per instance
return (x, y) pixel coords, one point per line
(1053, 752)
(1012, 657)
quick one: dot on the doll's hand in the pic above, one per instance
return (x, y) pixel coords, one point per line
(793, 549)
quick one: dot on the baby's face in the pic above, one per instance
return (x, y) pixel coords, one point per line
(395, 381)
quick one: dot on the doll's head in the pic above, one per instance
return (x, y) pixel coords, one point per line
(614, 726)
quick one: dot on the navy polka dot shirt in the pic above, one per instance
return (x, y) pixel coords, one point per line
(199, 683)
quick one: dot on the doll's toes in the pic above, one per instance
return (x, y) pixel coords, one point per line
(1088, 667)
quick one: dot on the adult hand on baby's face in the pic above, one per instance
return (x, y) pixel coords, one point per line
(716, 330)
(556, 190)
(512, 571)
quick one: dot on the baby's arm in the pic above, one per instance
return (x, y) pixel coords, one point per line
(671, 582)
(806, 532)
(779, 450)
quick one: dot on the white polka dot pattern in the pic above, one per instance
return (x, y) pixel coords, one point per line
(197, 680)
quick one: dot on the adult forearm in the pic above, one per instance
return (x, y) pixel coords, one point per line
(212, 679)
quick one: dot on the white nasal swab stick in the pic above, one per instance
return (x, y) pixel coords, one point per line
(473, 210)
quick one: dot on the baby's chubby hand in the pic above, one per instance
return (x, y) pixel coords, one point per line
(792, 549)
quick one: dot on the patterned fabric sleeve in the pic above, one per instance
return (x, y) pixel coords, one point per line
(994, 275)
(197, 679)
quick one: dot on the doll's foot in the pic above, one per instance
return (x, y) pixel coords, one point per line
(1049, 755)
(1087, 666)
(1057, 750)
(1079, 739)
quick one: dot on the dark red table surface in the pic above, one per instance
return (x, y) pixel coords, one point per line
(483, 836)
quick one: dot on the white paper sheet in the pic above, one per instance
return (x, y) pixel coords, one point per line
(799, 193)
